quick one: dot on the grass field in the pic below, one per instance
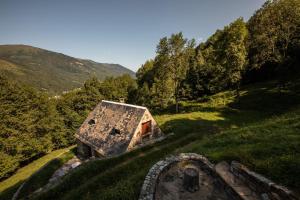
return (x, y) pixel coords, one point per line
(54, 159)
(270, 147)
(260, 129)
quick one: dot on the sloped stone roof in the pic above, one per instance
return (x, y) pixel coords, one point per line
(98, 130)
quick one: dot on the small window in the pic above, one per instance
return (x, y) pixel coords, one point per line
(115, 131)
(91, 122)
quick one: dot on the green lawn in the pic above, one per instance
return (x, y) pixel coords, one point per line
(270, 147)
(9, 186)
(260, 129)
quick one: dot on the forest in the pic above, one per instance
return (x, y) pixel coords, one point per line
(266, 47)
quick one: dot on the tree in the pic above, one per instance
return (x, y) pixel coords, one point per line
(162, 89)
(274, 37)
(29, 125)
(220, 61)
(145, 73)
(171, 64)
(235, 52)
(117, 88)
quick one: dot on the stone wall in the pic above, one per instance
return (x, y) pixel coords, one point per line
(260, 184)
(137, 139)
(83, 150)
(149, 187)
(266, 189)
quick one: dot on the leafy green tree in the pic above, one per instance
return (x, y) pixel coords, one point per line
(235, 60)
(117, 88)
(8, 164)
(29, 125)
(162, 89)
(75, 105)
(181, 51)
(33, 123)
(274, 37)
(145, 73)
(206, 76)
(219, 62)
(170, 67)
(141, 96)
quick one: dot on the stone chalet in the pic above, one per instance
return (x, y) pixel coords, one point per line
(113, 128)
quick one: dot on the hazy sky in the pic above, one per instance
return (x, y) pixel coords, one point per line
(114, 31)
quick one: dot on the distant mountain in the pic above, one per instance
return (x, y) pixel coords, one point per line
(51, 71)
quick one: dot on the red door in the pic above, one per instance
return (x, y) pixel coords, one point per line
(146, 127)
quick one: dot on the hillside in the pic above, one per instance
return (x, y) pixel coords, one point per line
(51, 71)
(261, 135)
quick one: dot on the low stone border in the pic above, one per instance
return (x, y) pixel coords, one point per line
(16, 194)
(266, 188)
(260, 184)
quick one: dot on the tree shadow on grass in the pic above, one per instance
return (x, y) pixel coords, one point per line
(37, 179)
(41, 177)
(269, 152)
(253, 106)
(257, 103)
(269, 101)
(9, 192)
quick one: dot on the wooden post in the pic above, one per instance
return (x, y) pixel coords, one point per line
(191, 179)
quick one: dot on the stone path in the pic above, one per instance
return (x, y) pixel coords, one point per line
(16, 194)
(58, 174)
(223, 169)
(71, 164)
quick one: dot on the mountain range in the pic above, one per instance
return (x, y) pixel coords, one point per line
(51, 71)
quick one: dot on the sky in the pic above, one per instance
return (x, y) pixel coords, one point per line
(114, 31)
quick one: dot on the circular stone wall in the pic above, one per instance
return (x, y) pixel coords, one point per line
(165, 180)
(172, 184)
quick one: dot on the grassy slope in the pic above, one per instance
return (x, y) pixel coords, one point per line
(51, 71)
(9, 186)
(270, 147)
(261, 129)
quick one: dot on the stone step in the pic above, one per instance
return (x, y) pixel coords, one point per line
(245, 193)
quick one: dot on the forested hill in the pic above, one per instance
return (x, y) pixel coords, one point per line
(51, 71)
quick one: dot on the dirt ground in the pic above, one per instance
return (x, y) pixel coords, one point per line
(170, 186)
